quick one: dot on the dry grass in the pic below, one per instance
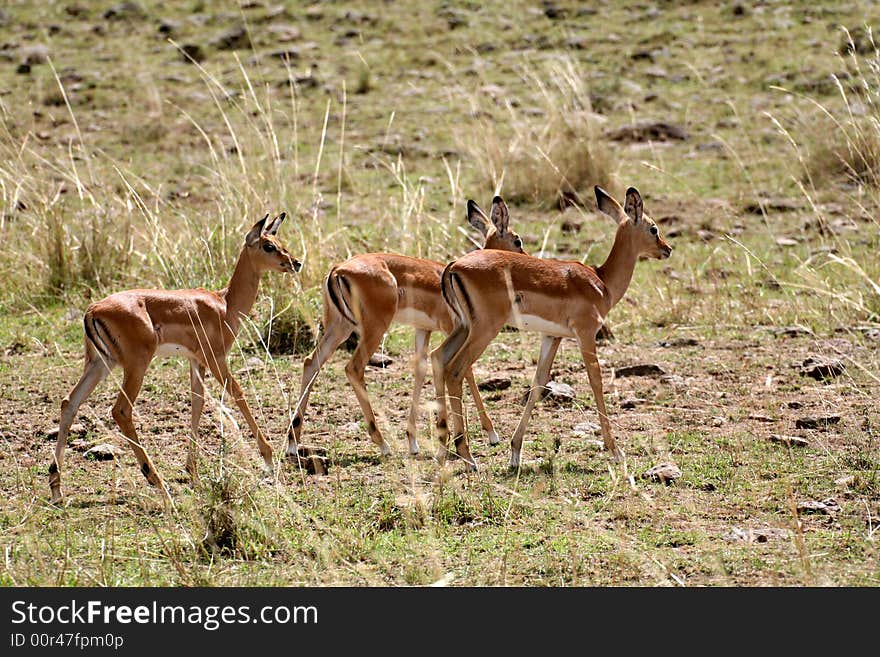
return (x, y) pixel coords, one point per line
(545, 148)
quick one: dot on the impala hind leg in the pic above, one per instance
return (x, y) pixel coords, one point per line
(456, 368)
(421, 355)
(485, 420)
(440, 357)
(334, 334)
(549, 346)
(94, 372)
(197, 401)
(122, 415)
(220, 370)
(354, 370)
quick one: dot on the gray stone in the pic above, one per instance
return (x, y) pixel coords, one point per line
(792, 441)
(665, 473)
(103, 452)
(646, 369)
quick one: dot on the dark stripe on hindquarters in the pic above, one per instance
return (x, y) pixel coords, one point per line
(99, 324)
(456, 279)
(333, 282)
(88, 325)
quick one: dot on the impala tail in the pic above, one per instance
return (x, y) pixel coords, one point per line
(97, 336)
(338, 289)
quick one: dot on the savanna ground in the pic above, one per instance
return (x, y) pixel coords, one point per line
(126, 163)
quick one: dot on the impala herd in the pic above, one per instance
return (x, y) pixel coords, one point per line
(469, 300)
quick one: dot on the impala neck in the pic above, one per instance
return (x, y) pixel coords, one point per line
(617, 270)
(241, 291)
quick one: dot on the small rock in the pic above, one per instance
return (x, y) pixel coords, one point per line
(124, 11)
(809, 422)
(790, 331)
(76, 429)
(495, 383)
(235, 38)
(827, 506)
(284, 32)
(772, 204)
(760, 418)
(35, 54)
(680, 342)
(380, 360)
(647, 369)
(192, 52)
(559, 393)
(673, 380)
(553, 392)
(251, 364)
(786, 241)
(103, 452)
(757, 535)
(665, 473)
(167, 26)
(795, 404)
(312, 459)
(648, 131)
(845, 481)
(717, 421)
(792, 441)
(584, 429)
(821, 368)
(632, 402)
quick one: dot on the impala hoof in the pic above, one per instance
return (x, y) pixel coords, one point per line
(493, 438)
(514, 460)
(385, 449)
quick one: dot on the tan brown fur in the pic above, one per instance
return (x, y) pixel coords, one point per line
(366, 294)
(488, 289)
(128, 329)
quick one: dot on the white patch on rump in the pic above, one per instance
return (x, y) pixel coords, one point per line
(168, 349)
(539, 325)
(416, 318)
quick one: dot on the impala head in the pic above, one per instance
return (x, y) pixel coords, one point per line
(495, 228)
(267, 251)
(632, 218)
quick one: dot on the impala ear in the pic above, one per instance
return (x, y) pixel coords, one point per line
(477, 218)
(275, 224)
(500, 215)
(608, 206)
(254, 233)
(633, 207)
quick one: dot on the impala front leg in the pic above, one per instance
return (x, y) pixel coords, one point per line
(587, 340)
(221, 372)
(197, 402)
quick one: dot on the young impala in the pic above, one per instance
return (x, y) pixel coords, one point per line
(366, 293)
(131, 328)
(557, 298)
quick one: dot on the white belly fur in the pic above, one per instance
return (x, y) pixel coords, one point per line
(167, 349)
(539, 325)
(415, 318)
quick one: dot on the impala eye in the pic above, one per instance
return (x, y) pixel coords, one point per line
(517, 243)
(268, 247)
(654, 230)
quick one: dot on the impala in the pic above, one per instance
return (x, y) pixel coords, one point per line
(557, 298)
(131, 328)
(368, 292)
